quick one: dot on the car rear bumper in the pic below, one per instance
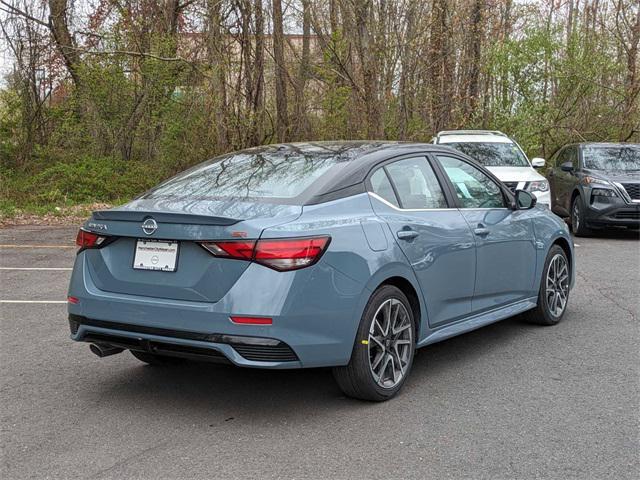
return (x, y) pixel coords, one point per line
(315, 313)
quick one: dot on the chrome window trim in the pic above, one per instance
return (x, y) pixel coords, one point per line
(389, 204)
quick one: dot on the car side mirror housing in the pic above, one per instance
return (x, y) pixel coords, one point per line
(538, 162)
(525, 200)
(567, 167)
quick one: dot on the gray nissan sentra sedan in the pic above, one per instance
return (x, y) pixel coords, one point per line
(347, 255)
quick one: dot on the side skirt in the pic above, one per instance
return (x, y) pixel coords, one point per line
(480, 320)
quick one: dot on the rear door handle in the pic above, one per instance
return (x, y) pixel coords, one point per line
(481, 231)
(407, 234)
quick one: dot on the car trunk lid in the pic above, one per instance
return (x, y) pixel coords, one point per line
(199, 276)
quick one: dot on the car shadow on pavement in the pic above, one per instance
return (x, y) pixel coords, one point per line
(274, 395)
(612, 233)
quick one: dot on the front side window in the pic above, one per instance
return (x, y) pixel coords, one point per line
(558, 158)
(416, 184)
(614, 157)
(492, 154)
(473, 187)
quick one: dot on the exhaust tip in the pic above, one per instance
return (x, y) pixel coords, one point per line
(104, 350)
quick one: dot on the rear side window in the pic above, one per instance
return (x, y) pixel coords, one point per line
(381, 186)
(269, 174)
(416, 184)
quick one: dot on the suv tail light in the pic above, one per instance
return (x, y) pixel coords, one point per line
(282, 254)
(89, 240)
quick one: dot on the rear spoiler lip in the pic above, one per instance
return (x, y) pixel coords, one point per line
(164, 217)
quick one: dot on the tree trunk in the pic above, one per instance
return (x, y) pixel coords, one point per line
(303, 74)
(632, 83)
(282, 116)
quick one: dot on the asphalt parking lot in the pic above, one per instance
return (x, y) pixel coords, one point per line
(508, 401)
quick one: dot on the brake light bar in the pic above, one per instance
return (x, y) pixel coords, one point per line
(86, 239)
(282, 254)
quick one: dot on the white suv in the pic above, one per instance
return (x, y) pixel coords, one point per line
(502, 156)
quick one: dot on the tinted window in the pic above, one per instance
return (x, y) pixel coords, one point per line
(250, 175)
(558, 158)
(492, 154)
(473, 188)
(381, 186)
(416, 184)
(572, 156)
(618, 157)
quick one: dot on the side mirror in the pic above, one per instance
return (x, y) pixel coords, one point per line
(537, 162)
(567, 167)
(525, 200)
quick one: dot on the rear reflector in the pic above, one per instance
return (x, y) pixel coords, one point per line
(280, 254)
(74, 300)
(252, 320)
(86, 239)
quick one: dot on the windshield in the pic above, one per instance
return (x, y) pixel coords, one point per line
(619, 157)
(493, 154)
(269, 174)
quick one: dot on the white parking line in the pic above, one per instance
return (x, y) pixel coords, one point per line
(36, 268)
(38, 246)
(33, 301)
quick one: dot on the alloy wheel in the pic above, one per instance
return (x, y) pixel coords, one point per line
(557, 283)
(390, 339)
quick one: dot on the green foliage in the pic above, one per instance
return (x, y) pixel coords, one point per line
(84, 180)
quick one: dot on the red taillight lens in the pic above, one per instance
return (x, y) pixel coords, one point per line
(242, 249)
(279, 254)
(291, 253)
(88, 240)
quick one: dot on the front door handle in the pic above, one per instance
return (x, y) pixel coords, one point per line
(481, 231)
(407, 234)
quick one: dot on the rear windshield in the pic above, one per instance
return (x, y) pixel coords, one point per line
(492, 154)
(623, 157)
(271, 174)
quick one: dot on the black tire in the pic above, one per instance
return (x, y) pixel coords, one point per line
(542, 314)
(578, 224)
(156, 360)
(357, 378)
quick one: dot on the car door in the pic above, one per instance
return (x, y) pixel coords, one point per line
(434, 237)
(505, 239)
(566, 181)
(552, 176)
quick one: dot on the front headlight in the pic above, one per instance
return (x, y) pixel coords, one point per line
(603, 192)
(588, 180)
(541, 186)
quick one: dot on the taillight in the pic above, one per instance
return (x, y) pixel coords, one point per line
(290, 254)
(88, 239)
(280, 254)
(240, 249)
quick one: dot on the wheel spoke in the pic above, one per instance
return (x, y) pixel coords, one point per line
(377, 340)
(376, 361)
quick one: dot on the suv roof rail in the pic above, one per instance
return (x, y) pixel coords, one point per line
(471, 132)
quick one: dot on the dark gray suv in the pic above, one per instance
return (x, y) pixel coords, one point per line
(596, 185)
